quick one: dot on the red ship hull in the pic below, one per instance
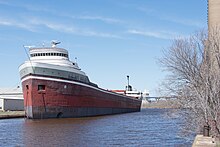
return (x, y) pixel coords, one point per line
(48, 97)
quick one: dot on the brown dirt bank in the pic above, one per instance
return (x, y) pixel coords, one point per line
(162, 104)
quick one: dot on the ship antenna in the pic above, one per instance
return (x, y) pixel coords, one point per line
(54, 43)
(28, 55)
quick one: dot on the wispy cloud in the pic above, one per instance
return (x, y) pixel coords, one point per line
(155, 34)
(171, 17)
(183, 21)
(17, 24)
(34, 25)
(79, 31)
(51, 11)
(99, 18)
(27, 6)
(147, 10)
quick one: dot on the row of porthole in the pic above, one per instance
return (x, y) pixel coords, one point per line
(50, 54)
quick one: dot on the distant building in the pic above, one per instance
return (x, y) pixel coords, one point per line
(11, 99)
(213, 13)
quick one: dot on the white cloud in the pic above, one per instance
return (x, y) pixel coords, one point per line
(65, 28)
(17, 24)
(155, 34)
(171, 17)
(183, 21)
(51, 11)
(5, 23)
(34, 25)
(100, 18)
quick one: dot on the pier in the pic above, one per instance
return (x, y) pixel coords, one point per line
(203, 141)
(11, 114)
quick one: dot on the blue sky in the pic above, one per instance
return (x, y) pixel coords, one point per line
(110, 38)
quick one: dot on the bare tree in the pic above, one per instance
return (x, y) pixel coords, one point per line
(194, 76)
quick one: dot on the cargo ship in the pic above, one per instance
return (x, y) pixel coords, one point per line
(55, 87)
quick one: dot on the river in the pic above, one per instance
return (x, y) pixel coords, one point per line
(150, 127)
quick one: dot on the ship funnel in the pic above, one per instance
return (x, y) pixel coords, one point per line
(129, 87)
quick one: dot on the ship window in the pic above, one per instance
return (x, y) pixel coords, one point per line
(41, 87)
(27, 87)
(43, 54)
(38, 54)
(31, 55)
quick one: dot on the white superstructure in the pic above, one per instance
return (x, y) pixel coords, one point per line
(52, 61)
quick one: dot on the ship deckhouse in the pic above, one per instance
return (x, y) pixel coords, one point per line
(52, 55)
(53, 62)
(57, 56)
(51, 52)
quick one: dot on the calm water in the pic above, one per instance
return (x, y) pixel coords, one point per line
(150, 127)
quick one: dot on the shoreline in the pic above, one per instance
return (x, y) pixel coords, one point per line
(162, 104)
(12, 114)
